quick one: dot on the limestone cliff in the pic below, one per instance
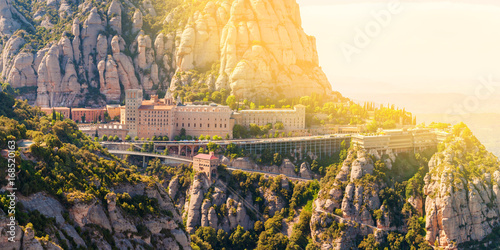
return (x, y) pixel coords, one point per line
(257, 49)
(164, 230)
(347, 202)
(261, 46)
(462, 189)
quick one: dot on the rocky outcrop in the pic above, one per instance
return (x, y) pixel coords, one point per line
(200, 207)
(115, 16)
(125, 67)
(109, 79)
(462, 196)
(17, 64)
(6, 231)
(8, 25)
(257, 49)
(193, 211)
(92, 215)
(286, 168)
(137, 21)
(118, 221)
(347, 200)
(57, 79)
(90, 31)
(51, 208)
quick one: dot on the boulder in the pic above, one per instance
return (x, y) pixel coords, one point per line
(8, 24)
(118, 221)
(115, 16)
(110, 82)
(305, 171)
(137, 21)
(91, 28)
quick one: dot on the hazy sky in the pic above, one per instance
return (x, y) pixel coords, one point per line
(425, 47)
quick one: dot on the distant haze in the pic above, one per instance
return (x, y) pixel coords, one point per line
(429, 47)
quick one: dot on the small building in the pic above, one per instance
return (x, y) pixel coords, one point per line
(292, 119)
(87, 115)
(114, 111)
(65, 112)
(206, 163)
(113, 129)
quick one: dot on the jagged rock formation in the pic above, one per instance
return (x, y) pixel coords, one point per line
(347, 202)
(106, 217)
(263, 49)
(462, 189)
(200, 210)
(286, 168)
(257, 49)
(7, 22)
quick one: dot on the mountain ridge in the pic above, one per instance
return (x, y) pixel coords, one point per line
(77, 53)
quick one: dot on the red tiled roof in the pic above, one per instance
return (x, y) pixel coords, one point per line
(206, 157)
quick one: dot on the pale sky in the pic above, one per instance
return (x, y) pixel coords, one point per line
(439, 47)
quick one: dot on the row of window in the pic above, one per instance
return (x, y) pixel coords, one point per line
(201, 125)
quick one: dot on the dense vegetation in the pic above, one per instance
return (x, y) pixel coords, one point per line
(63, 163)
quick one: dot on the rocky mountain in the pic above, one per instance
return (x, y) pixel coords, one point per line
(462, 188)
(75, 52)
(402, 201)
(346, 202)
(71, 194)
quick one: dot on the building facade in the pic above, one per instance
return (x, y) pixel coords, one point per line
(86, 115)
(292, 119)
(206, 163)
(133, 100)
(62, 110)
(155, 118)
(397, 140)
(91, 130)
(113, 111)
(164, 117)
(204, 120)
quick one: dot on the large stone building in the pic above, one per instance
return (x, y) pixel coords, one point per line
(292, 119)
(397, 140)
(164, 117)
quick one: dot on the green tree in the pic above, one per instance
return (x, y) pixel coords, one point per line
(104, 138)
(279, 126)
(240, 131)
(216, 97)
(127, 138)
(231, 102)
(241, 239)
(369, 243)
(213, 147)
(277, 159)
(207, 234)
